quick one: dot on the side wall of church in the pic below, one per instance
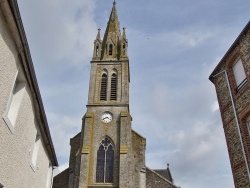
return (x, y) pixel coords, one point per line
(138, 155)
(18, 123)
(241, 100)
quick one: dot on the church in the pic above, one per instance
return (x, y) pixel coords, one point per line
(108, 152)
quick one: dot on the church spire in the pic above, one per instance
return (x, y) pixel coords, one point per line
(98, 36)
(112, 36)
(124, 45)
(97, 46)
(113, 47)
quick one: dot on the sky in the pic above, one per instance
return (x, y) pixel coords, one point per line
(173, 48)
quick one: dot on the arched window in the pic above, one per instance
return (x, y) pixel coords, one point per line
(113, 90)
(105, 162)
(110, 49)
(103, 92)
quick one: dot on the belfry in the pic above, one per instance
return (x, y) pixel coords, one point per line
(107, 152)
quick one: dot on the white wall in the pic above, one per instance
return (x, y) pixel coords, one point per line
(16, 145)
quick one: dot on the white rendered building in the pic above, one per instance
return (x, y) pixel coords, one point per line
(27, 154)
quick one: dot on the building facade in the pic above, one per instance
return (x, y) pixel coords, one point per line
(107, 152)
(231, 78)
(27, 152)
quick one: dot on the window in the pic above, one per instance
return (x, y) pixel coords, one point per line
(248, 125)
(239, 74)
(110, 49)
(14, 103)
(105, 162)
(103, 92)
(113, 91)
(124, 49)
(97, 51)
(35, 151)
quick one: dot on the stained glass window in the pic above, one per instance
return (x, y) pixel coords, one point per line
(105, 162)
(100, 164)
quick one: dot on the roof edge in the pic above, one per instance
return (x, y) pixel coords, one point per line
(31, 72)
(147, 168)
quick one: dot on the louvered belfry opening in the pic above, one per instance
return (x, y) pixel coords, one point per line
(103, 93)
(113, 90)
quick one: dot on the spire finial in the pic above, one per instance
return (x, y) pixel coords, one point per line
(114, 3)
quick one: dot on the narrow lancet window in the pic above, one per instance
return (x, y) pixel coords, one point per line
(124, 49)
(105, 162)
(97, 51)
(113, 91)
(103, 93)
(110, 49)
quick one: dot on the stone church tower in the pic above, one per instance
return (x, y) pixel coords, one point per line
(107, 152)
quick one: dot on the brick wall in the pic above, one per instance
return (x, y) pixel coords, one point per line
(240, 49)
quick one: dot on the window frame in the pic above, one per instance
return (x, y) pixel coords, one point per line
(35, 150)
(11, 112)
(239, 70)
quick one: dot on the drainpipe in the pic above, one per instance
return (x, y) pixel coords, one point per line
(236, 118)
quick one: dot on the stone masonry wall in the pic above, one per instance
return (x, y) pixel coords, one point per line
(154, 180)
(61, 180)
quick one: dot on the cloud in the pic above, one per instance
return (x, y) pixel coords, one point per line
(64, 128)
(61, 31)
(61, 168)
(172, 52)
(215, 106)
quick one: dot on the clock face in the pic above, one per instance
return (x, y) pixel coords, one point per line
(106, 117)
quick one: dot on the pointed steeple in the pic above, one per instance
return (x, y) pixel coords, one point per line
(113, 47)
(112, 36)
(124, 45)
(98, 36)
(97, 46)
(124, 33)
